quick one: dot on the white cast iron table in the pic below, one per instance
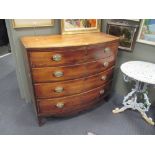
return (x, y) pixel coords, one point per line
(143, 73)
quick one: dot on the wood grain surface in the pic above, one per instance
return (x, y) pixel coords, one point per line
(71, 87)
(31, 42)
(46, 74)
(72, 104)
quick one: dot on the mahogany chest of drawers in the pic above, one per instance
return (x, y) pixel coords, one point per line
(70, 73)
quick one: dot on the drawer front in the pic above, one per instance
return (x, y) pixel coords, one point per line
(99, 65)
(57, 58)
(71, 87)
(101, 51)
(97, 80)
(53, 74)
(72, 104)
(59, 89)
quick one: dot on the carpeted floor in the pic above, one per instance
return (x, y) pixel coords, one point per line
(4, 50)
(17, 117)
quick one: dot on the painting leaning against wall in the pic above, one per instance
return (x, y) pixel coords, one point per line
(73, 26)
(147, 32)
(32, 23)
(126, 33)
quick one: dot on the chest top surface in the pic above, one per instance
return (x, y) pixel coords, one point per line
(53, 41)
(140, 70)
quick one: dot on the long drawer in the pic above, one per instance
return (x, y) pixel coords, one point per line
(70, 56)
(53, 74)
(71, 87)
(72, 104)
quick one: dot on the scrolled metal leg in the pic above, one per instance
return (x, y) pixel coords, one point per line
(118, 110)
(147, 119)
(127, 102)
(131, 100)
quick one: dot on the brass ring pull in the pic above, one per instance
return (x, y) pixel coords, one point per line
(60, 105)
(102, 91)
(103, 77)
(107, 50)
(59, 89)
(58, 73)
(106, 64)
(57, 57)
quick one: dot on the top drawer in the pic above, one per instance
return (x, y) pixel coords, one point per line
(101, 51)
(72, 55)
(61, 57)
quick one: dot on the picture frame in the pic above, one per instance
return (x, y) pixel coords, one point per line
(146, 33)
(74, 26)
(126, 32)
(135, 20)
(28, 23)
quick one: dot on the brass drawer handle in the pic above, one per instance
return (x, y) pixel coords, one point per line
(59, 89)
(57, 57)
(106, 64)
(102, 91)
(104, 77)
(58, 73)
(60, 105)
(107, 50)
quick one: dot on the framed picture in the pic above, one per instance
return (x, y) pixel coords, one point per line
(73, 26)
(147, 32)
(127, 34)
(136, 20)
(25, 23)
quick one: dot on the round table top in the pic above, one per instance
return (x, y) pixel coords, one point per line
(139, 70)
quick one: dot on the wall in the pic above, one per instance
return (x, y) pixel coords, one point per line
(141, 52)
(19, 53)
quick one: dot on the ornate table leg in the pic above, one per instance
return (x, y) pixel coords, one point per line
(145, 108)
(131, 101)
(127, 102)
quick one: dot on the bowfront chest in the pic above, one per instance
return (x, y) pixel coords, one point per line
(70, 73)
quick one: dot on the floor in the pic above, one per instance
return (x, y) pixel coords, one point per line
(17, 117)
(4, 50)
